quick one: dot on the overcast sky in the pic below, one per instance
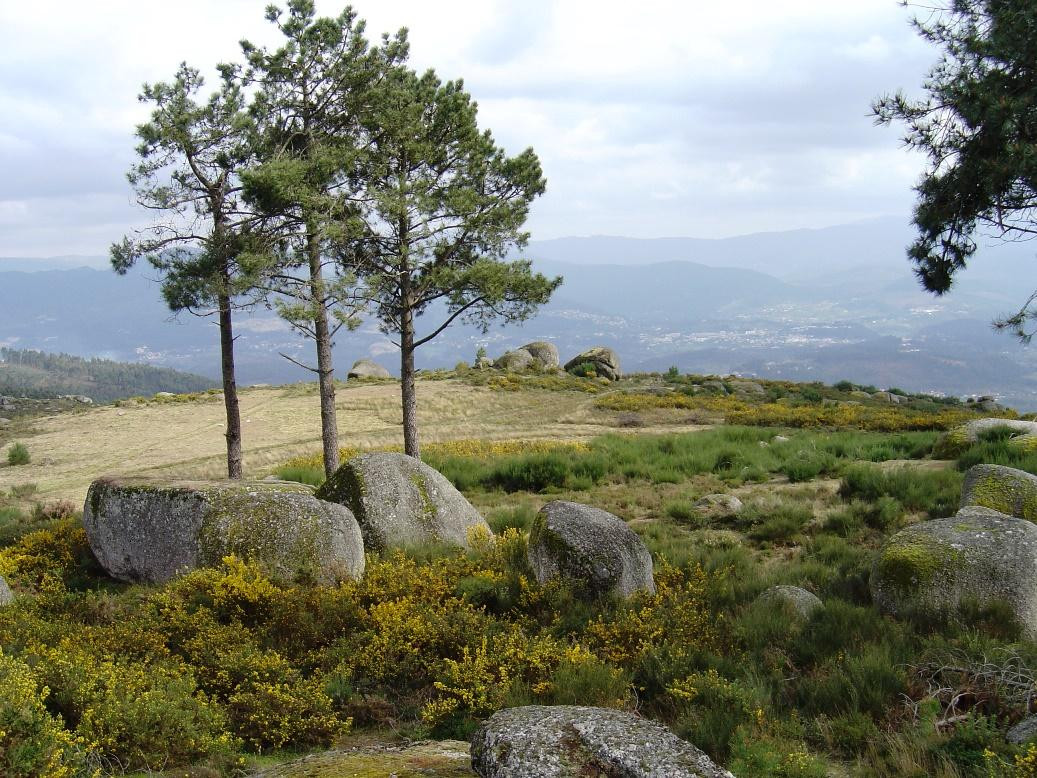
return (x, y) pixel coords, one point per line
(651, 118)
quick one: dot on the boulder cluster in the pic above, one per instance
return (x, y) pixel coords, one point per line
(596, 362)
(149, 531)
(984, 555)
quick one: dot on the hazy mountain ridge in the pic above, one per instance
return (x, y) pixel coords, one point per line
(835, 303)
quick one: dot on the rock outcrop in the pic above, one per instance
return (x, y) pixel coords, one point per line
(979, 556)
(604, 360)
(400, 501)
(568, 741)
(149, 530)
(1003, 489)
(1023, 732)
(6, 595)
(366, 368)
(800, 600)
(747, 388)
(544, 353)
(597, 551)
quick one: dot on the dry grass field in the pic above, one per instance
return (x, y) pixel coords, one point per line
(185, 439)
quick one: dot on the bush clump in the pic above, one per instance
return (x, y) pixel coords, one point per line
(18, 454)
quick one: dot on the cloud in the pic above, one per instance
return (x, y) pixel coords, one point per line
(666, 118)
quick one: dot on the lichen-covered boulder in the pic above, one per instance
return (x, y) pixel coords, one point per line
(597, 551)
(719, 505)
(1023, 434)
(1003, 489)
(544, 353)
(570, 741)
(800, 600)
(366, 368)
(150, 530)
(516, 360)
(978, 555)
(6, 595)
(400, 501)
(604, 360)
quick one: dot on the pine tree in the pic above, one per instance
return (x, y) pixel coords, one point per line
(190, 154)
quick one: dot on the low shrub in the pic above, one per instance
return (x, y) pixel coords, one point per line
(18, 454)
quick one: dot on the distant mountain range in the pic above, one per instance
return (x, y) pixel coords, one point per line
(830, 304)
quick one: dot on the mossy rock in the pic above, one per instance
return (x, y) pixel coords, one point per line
(444, 759)
(957, 441)
(604, 360)
(150, 530)
(978, 556)
(593, 549)
(1003, 489)
(571, 741)
(400, 501)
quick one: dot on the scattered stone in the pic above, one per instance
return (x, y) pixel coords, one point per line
(150, 530)
(800, 600)
(1023, 732)
(164, 394)
(569, 741)
(483, 363)
(442, 759)
(979, 555)
(595, 549)
(719, 505)
(605, 361)
(516, 360)
(779, 439)
(120, 413)
(366, 368)
(82, 399)
(1003, 489)
(400, 501)
(544, 353)
(6, 595)
(4, 422)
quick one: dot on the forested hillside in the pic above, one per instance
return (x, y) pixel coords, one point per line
(26, 373)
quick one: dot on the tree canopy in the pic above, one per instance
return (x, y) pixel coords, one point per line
(977, 125)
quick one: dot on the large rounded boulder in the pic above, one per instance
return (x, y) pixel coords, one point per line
(366, 368)
(792, 598)
(400, 501)
(590, 547)
(515, 361)
(149, 530)
(603, 360)
(570, 741)
(978, 556)
(1002, 489)
(544, 353)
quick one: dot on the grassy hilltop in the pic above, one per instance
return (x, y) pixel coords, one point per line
(226, 670)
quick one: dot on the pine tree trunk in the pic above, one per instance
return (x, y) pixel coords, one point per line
(410, 400)
(230, 389)
(325, 361)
